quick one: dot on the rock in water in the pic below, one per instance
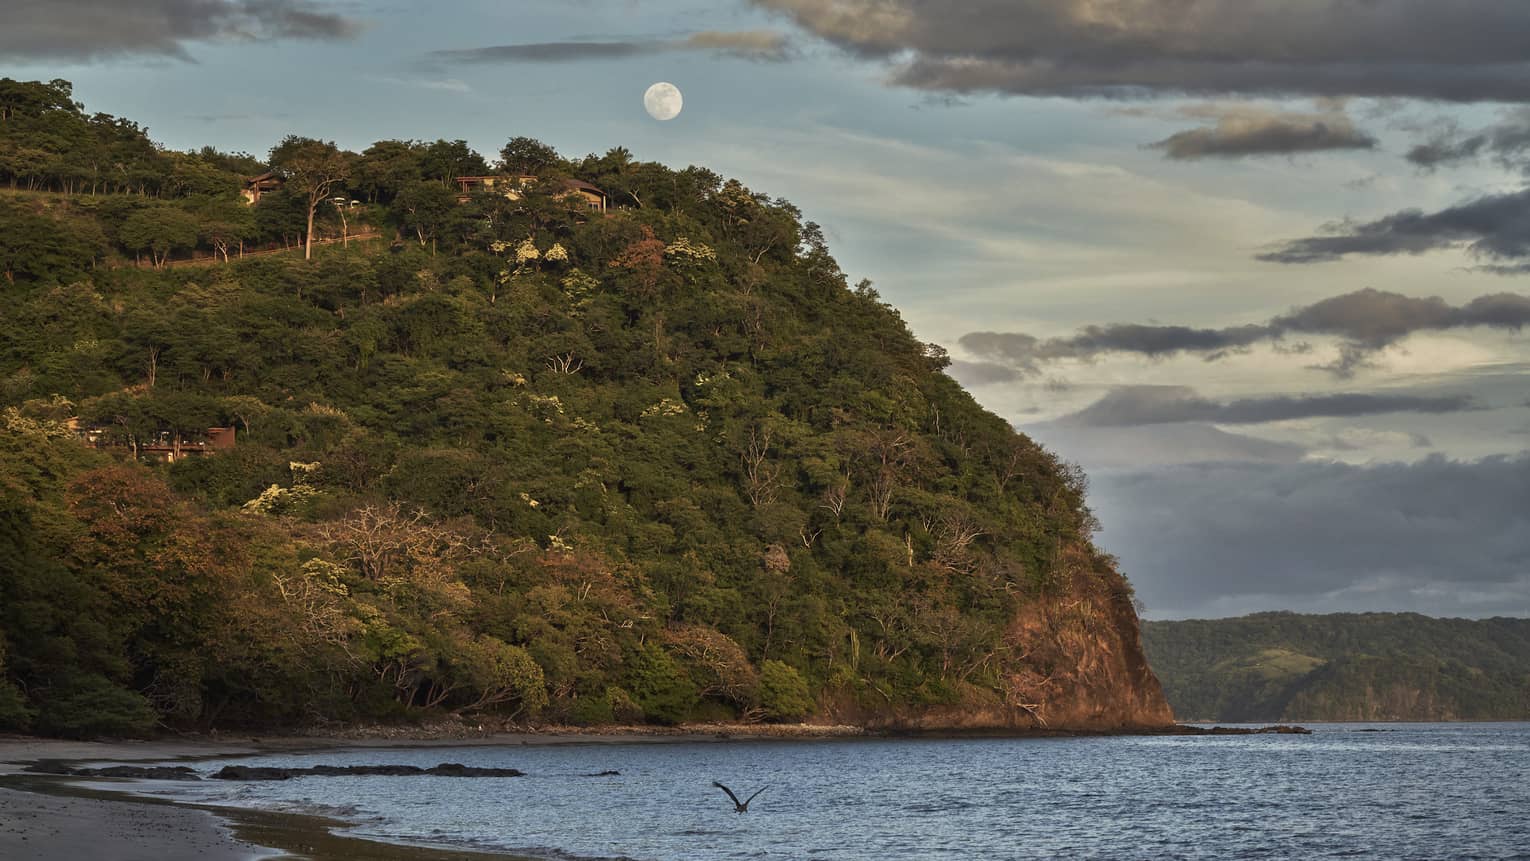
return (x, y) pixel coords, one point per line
(445, 769)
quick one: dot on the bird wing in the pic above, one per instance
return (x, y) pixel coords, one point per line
(755, 795)
(727, 790)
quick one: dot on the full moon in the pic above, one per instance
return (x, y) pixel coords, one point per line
(663, 101)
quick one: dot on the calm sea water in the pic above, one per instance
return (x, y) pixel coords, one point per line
(1435, 791)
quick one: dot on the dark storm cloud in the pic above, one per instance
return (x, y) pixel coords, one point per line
(1507, 142)
(1365, 321)
(1151, 405)
(749, 44)
(1027, 353)
(1495, 228)
(1246, 132)
(1465, 50)
(1438, 536)
(75, 30)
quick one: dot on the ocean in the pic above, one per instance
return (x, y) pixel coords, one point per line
(1386, 791)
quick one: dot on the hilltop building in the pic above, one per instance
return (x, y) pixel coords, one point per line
(256, 186)
(577, 191)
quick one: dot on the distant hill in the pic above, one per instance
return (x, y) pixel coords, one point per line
(1361, 667)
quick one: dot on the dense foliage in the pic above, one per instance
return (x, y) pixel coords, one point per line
(1372, 666)
(659, 464)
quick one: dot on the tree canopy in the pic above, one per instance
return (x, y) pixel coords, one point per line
(1345, 666)
(658, 464)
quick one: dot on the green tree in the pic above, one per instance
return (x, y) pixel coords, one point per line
(424, 209)
(224, 223)
(444, 161)
(14, 713)
(315, 169)
(523, 156)
(385, 167)
(159, 230)
(664, 691)
(36, 247)
(784, 695)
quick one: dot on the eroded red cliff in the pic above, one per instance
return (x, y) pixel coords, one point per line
(1074, 662)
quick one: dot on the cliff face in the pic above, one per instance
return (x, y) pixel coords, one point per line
(1074, 662)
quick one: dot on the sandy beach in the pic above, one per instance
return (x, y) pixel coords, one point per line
(41, 827)
(46, 818)
(49, 818)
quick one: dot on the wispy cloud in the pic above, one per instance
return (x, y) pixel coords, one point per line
(1507, 142)
(448, 85)
(85, 30)
(1243, 131)
(1132, 406)
(1494, 228)
(764, 45)
(1366, 321)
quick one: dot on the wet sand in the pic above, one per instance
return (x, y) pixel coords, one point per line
(40, 827)
(48, 818)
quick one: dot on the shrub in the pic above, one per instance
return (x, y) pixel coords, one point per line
(87, 706)
(623, 708)
(664, 691)
(14, 714)
(783, 693)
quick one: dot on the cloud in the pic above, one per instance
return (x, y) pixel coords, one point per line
(83, 30)
(749, 44)
(764, 45)
(1439, 536)
(1151, 405)
(236, 118)
(447, 85)
(1027, 353)
(1508, 142)
(1243, 132)
(1495, 228)
(1465, 51)
(547, 52)
(1366, 322)
(972, 374)
(1147, 446)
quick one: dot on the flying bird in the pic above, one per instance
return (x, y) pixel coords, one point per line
(740, 806)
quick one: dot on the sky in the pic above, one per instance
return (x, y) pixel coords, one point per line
(1261, 267)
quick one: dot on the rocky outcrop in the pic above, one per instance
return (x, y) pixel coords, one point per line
(255, 773)
(445, 769)
(130, 772)
(1073, 662)
(1279, 729)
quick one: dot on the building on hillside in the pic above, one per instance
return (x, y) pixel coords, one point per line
(593, 197)
(509, 186)
(256, 186)
(577, 191)
(164, 446)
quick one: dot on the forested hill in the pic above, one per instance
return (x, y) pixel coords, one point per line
(1343, 667)
(519, 460)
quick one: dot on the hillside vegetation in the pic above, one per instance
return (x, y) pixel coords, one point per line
(531, 462)
(1343, 667)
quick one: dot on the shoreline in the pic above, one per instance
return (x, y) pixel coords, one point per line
(54, 817)
(83, 818)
